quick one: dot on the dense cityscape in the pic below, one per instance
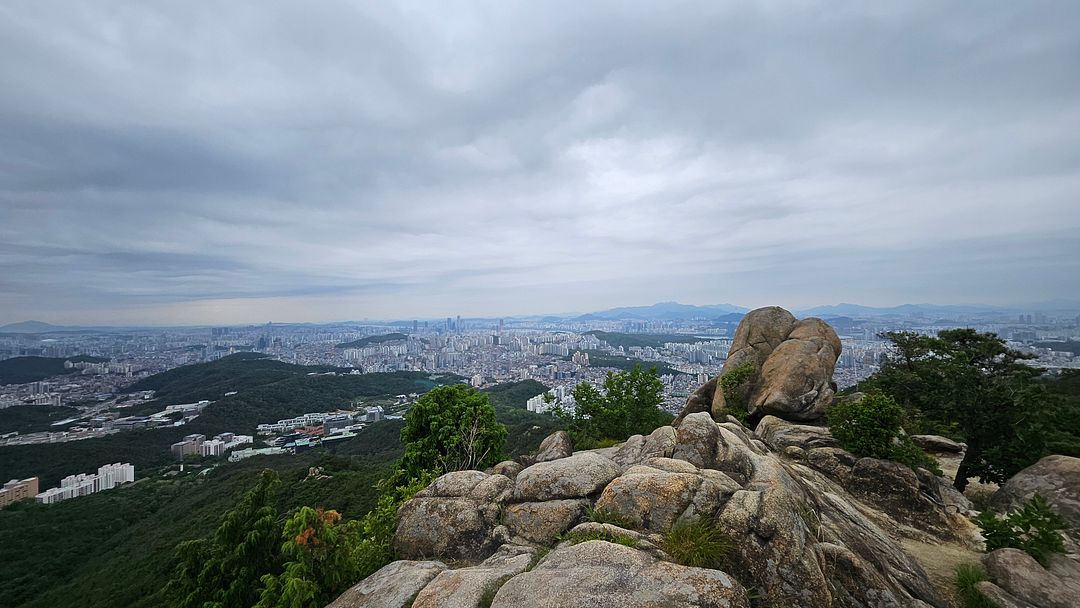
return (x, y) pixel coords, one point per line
(94, 367)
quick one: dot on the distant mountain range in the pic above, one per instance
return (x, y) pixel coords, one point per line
(29, 327)
(664, 310)
(932, 310)
(674, 311)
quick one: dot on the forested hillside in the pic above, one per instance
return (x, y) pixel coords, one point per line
(116, 548)
(266, 391)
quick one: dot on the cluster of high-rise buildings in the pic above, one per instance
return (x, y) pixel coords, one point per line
(197, 444)
(559, 396)
(107, 477)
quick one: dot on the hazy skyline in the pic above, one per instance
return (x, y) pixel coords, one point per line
(243, 162)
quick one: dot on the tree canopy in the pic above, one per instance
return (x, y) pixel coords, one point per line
(223, 572)
(973, 387)
(628, 405)
(451, 428)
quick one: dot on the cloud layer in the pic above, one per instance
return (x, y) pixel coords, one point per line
(244, 161)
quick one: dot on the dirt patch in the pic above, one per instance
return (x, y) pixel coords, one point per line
(940, 562)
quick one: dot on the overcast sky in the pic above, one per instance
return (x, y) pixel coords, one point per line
(226, 162)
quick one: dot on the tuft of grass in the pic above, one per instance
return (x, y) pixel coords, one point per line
(967, 576)
(541, 553)
(576, 538)
(588, 443)
(810, 519)
(700, 543)
(601, 516)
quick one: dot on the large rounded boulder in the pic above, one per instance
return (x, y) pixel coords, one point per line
(598, 573)
(793, 363)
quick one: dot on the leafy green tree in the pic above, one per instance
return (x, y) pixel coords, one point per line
(322, 561)
(451, 428)
(224, 572)
(628, 406)
(973, 387)
(376, 546)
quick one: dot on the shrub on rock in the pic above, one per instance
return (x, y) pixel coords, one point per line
(872, 427)
(1034, 528)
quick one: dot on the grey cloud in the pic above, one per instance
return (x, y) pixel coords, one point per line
(172, 162)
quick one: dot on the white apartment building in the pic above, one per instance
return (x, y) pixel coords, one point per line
(108, 477)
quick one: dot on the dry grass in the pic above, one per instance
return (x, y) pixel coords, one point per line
(940, 562)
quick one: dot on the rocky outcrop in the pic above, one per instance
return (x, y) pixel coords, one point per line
(696, 440)
(575, 477)
(917, 501)
(598, 573)
(507, 468)
(540, 522)
(939, 444)
(999, 597)
(396, 585)
(456, 517)
(793, 362)
(555, 446)
(471, 587)
(795, 382)
(779, 434)
(656, 495)
(801, 535)
(1027, 581)
(1055, 478)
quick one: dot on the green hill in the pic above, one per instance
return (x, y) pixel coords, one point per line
(514, 395)
(368, 341)
(598, 358)
(115, 548)
(266, 391)
(21, 370)
(525, 429)
(616, 339)
(29, 418)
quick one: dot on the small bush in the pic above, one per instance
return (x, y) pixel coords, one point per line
(866, 427)
(576, 538)
(699, 543)
(967, 576)
(871, 427)
(1034, 528)
(735, 386)
(601, 516)
(906, 452)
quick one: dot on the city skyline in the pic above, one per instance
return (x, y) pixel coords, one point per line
(1061, 307)
(246, 163)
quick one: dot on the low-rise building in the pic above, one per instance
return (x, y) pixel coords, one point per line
(190, 445)
(16, 490)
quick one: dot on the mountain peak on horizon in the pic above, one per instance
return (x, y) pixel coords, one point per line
(28, 326)
(665, 310)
